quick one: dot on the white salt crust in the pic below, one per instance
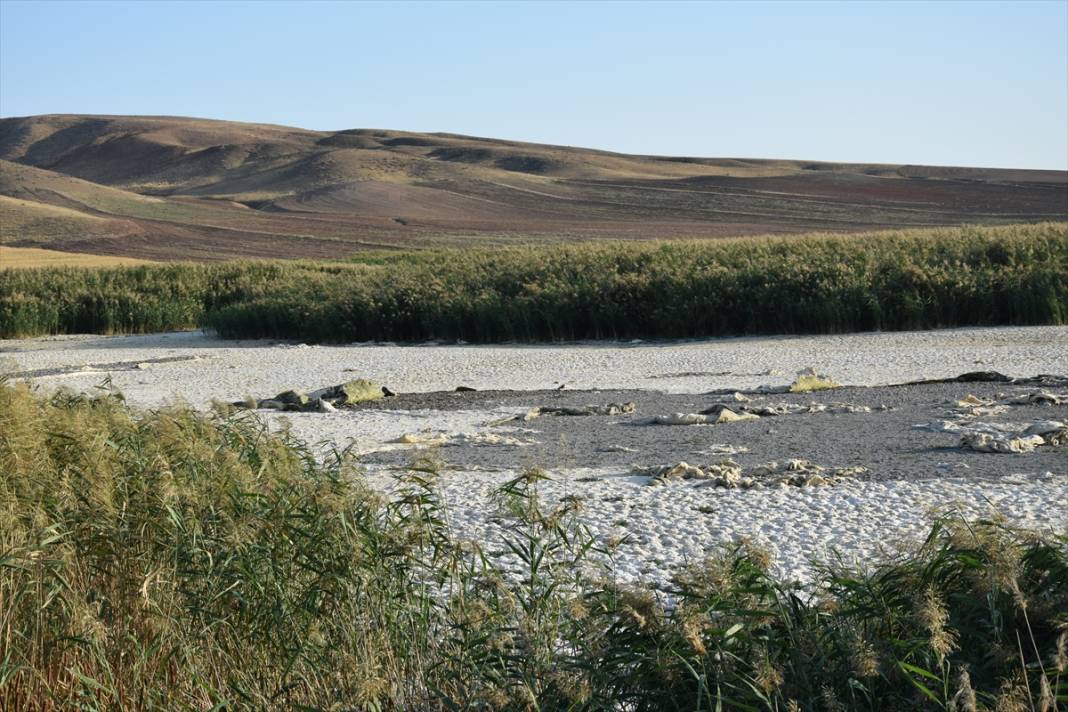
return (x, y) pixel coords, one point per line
(232, 370)
(684, 523)
(668, 526)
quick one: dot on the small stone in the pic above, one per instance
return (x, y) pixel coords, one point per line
(726, 415)
(359, 391)
(678, 419)
(802, 466)
(986, 442)
(422, 439)
(1044, 427)
(616, 448)
(808, 380)
(292, 398)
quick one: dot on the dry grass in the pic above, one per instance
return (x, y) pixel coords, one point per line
(19, 214)
(33, 257)
(808, 383)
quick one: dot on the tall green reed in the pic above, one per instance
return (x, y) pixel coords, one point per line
(806, 284)
(178, 560)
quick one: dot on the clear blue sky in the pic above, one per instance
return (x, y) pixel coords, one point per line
(957, 83)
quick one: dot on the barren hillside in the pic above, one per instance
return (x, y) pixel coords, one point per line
(177, 188)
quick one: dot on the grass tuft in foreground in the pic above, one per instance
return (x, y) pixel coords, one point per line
(174, 560)
(916, 279)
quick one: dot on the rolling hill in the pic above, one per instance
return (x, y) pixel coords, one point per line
(166, 188)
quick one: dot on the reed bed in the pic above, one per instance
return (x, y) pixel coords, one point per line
(179, 560)
(917, 279)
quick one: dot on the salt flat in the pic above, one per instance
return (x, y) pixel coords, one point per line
(663, 528)
(232, 369)
(909, 475)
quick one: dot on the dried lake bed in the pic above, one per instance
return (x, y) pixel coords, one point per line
(890, 454)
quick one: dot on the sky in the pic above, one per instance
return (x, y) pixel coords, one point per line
(952, 83)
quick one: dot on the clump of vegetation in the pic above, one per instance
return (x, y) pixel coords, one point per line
(172, 559)
(126, 300)
(816, 284)
(811, 382)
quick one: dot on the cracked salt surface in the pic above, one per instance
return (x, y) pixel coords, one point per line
(370, 431)
(234, 369)
(681, 524)
(669, 526)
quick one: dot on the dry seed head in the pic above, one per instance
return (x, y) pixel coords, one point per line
(831, 703)
(963, 699)
(691, 630)
(1061, 659)
(1045, 700)
(768, 677)
(1012, 697)
(862, 657)
(638, 619)
(315, 635)
(371, 689)
(577, 608)
(575, 689)
(496, 699)
(573, 504)
(713, 575)
(759, 555)
(640, 607)
(934, 615)
(501, 642)
(478, 612)
(90, 624)
(1017, 594)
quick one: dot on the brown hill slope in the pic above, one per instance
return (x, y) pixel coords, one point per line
(170, 188)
